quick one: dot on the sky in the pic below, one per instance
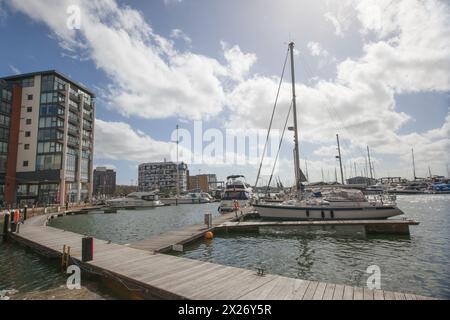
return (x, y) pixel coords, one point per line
(375, 72)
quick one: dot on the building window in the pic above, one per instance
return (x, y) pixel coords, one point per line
(29, 82)
(28, 121)
(30, 97)
(4, 120)
(26, 146)
(27, 134)
(3, 147)
(29, 109)
(25, 163)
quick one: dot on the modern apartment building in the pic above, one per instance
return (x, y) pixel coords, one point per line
(162, 176)
(203, 182)
(104, 182)
(48, 120)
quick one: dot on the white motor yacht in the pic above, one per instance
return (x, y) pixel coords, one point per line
(136, 200)
(237, 192)
(189, 198)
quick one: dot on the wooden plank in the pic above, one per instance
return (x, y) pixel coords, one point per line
(368, 294)
(338, 292)
(320, 290)
(378, 295)
(410, 296)
(399, 296)
(348, 293)
(309, 294)
(388, 295)
(329, 291)
(358, 293)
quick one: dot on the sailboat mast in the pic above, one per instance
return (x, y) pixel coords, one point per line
(340, 158)
(294, 108)
(178, 169)
(414, 164)
(370, 163)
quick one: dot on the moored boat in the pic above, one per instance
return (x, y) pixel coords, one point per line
(136, 200)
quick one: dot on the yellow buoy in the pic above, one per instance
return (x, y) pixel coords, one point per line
(209, 235)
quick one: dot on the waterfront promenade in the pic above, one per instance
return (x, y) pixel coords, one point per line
(147, 274)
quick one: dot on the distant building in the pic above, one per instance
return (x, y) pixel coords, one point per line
(162, 176)
(203, 182)
(361, 180)
(104, 182)
(46, 139)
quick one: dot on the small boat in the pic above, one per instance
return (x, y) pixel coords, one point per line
(336, 204)
(190, 198)
(237, 192)
(136, 200)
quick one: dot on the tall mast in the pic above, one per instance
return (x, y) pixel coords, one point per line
(340, 158)
(429, 171)
(178, 170)
(356, 173)
(306, 165)
(370, 163)
(294, 108)
(414, 164)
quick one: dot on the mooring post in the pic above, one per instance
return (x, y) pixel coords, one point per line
(25, 209)
(6, 226)
(87, 249)
(208, 220)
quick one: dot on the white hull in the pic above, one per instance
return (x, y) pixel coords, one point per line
(317, 213)
(172, 201)
(134, 204)
(228, 205)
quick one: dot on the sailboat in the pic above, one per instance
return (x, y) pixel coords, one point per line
(332, 204)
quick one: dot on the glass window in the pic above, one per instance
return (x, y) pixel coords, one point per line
(29, 109)
(29, 82)
(25, 163)
(51, 122)
(26, 146)
(30, 97)
(27, 134)
(3, 162)
(4, 120)
(28, 121)
(48, 162)
(4, 134)
(3, 147)
(5, 107)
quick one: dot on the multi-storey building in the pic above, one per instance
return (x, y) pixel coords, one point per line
(104, 182)
(5, 124)
(203, 182)
(50, 151)
(162, 176)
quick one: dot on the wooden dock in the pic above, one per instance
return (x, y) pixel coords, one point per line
(392, 226)
(155, 275)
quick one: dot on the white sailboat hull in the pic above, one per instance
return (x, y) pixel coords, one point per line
(323, 213)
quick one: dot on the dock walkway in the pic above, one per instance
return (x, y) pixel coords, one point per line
(168, 277)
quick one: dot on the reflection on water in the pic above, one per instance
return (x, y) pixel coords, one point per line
(127, 226)
(418, 263)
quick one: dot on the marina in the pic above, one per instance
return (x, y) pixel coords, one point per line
(184, 278)
(231, 152)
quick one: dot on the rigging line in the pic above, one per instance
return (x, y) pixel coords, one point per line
(279, 148)
(335, 118)
(271, 119)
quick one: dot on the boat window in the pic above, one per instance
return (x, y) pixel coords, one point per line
(148, 198)
(235, 195)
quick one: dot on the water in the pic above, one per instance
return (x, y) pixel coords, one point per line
(23, 270)
(131, 225)
(418, 263)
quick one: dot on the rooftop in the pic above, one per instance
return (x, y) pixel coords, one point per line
(59, 74)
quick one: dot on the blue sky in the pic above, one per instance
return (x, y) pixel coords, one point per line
(365, 70)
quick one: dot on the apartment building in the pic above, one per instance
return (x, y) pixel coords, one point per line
(162, 176)
(203, 182)
(104, 182)
(48, 120)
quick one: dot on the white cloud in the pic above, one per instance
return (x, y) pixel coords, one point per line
(179, 34)
(411, 54)
(239, 63)
(149, 77)
(14, 69)
(316, 49)
(118, 141)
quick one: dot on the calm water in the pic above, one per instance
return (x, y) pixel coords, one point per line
(131, 225)
(416, 264)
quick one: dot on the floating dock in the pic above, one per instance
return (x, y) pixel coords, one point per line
(147, 274)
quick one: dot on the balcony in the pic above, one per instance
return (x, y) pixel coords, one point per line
(73, 131)
(74, 120)
(74, 96)
(87, 127)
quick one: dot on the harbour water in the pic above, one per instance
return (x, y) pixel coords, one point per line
(417, 264)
